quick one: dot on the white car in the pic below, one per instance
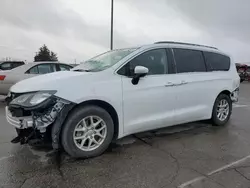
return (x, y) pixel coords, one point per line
(9, 77)
(122, 92)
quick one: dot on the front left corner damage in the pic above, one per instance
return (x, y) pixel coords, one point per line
(45, 123)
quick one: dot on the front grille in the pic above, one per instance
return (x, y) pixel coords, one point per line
(16, 112)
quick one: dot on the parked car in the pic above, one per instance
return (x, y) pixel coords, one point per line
(9, 78)
(122, 92)
(8, 65)
(243, 71)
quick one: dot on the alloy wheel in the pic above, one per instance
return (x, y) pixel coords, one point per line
(222, 110)
(90, 133)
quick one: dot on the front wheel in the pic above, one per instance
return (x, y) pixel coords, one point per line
(222, 110)
(87, 132)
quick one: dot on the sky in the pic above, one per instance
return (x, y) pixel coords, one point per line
(80, 29)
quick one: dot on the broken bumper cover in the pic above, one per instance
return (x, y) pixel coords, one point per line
(42, 123)
(38, 120)
(235, 95)
(18, 122)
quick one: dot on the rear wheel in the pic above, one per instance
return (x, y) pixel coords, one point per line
(87, 132)
(222, 110)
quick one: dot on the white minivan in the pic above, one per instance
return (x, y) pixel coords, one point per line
(122, 92)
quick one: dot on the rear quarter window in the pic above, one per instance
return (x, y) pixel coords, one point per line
(217, 62)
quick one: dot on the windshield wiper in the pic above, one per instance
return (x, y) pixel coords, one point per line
(82, 70)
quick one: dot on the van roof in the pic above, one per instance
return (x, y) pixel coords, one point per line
(173, 44)
(184, 43)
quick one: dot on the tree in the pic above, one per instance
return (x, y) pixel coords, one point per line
(45, 54)
(53, 56)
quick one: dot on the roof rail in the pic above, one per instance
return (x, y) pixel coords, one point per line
(184, 43)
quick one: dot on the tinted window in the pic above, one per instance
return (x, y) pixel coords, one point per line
(217, 62)
(189, 61)
(64, 67)
(17, 64)
(42, 69)
(154, 60)
(33, 70)
(10, 65)
(46, 68)
(6, 66)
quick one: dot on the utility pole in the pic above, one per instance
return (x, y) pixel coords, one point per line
(112, 20)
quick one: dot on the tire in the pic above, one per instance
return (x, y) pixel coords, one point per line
(216, 121)
(18, 131)
(71, 145)
(241, 80)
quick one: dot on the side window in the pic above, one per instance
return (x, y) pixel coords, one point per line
(217, 62)
(64, 67)
(189, 61)
(17, 64)
(6, 66)
(33, 70)
(42, 69)
(154, 60)
(14, 65)
(46, 68)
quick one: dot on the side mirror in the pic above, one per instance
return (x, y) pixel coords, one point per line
(139, 72)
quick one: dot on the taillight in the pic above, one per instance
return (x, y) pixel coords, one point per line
(2, 77)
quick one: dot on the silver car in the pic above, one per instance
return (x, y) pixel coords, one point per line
(10, 77)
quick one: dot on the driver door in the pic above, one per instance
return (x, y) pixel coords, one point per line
(150, 104)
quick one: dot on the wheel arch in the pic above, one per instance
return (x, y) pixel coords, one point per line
(106, 106)
(226, 92)
(214, 120)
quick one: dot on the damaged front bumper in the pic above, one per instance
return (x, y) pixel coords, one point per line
(235, 95)
(43, 124)
(18, 122)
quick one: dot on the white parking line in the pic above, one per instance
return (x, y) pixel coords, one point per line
(239, 105)
(214, 172)
(2, 158)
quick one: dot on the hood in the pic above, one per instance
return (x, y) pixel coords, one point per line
(51, 81)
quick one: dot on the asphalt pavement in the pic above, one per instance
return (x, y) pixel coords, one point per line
(195, 155)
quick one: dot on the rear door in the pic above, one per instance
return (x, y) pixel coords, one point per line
(194, 87)
(150, 104)
(224, 72)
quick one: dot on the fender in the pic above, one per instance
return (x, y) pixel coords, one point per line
(57, 126)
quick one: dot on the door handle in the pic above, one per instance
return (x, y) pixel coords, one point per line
(183, 82)
(169, 84)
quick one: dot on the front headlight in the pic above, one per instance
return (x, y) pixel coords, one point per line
(32, 99)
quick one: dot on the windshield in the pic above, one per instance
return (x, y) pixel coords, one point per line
(103, 61)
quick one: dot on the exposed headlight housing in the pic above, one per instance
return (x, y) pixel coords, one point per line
(29, 100)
